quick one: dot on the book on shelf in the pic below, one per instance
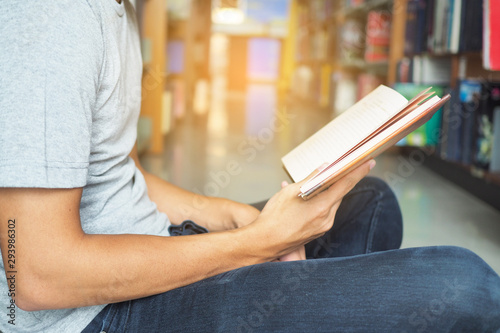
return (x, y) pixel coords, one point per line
(495, 150)
(443, 26)
(429, 20)
(450, 148)
(404, 70)
(352, 39)
(491, 37)
(471, 125)
(430, 70)
(421, 27)
(470, 98)
(471, 26)
(411, 27)
(483, 135)
(367, 82)
(344, 91)
(437, 38)
(455, 26)
(459, 120)
(442, 134)
(375, 123)
(427, 134)
(378, 36)
(447, 26)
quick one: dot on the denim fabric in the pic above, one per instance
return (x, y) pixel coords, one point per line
(368, 220)
(358, 282)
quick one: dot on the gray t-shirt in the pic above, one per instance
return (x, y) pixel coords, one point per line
(70, 92)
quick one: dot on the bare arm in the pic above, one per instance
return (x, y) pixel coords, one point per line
(216, 214)
(59, 266)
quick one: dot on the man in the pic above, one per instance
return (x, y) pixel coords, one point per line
(84, 229)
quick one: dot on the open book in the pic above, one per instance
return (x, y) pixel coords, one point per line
(366, 129)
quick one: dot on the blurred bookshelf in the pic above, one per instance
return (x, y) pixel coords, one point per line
(344, 49)
(340, 45)
(152, 21)
(175, 41)
(444, 45)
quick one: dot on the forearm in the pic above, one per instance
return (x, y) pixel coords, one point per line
(59, 266)
(215, 214)
(112, 268)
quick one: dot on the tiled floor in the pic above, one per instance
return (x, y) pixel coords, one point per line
(234, 151)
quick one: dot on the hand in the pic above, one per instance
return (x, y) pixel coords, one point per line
(241, 214)
(300, 253)
(300, 221)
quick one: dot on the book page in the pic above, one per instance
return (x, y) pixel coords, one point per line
(402, 123)
(344, 132)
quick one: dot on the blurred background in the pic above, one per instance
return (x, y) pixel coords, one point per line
(231, 86)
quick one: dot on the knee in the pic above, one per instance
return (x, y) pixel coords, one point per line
(470, 291)
(474, 275)
(459, 291)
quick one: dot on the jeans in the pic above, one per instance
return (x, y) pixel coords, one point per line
(355, 281)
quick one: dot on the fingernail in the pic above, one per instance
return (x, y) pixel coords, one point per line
(371, 164)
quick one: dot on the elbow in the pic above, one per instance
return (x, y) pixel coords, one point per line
(26, 304)
(29, 293)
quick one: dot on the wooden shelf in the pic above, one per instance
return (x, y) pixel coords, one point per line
(444, 55)
(367, 6)
(154, 17)
(362, 65)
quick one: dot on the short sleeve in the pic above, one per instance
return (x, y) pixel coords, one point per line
(50, 60)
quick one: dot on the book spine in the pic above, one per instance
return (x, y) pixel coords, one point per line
(440, 24)
(378, 35)
(411, 28)
(495, 155)
(455, 28)
(454, 126)
(352, 40)
(442, 146)
(430, 24)
(470, 97)
(491, 46)
(494, 28)
(421, 37)
(484, 135)
(449, 27)
(473, 26)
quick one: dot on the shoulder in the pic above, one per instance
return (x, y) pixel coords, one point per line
(36, 21)
(36, 12)
(47, 33)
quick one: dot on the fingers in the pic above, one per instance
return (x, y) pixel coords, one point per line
(298, 254)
